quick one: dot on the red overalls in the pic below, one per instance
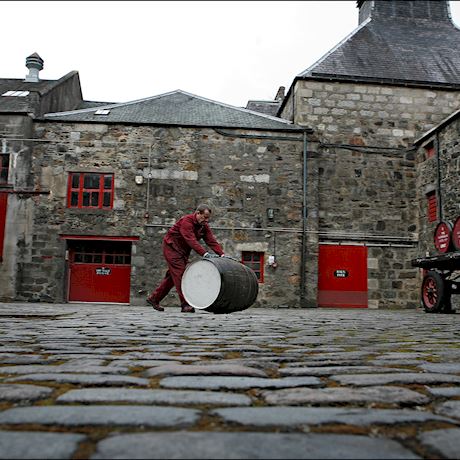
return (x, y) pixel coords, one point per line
(181, 238)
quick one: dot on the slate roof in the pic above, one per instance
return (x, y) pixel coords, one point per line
(177, 108)
(90, 104)
(27, 103)
(397, 42)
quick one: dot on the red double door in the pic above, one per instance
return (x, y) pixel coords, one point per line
(3, 209)
(342, 276)
(99, 271)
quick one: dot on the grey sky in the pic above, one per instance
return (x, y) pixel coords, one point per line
(229, 51)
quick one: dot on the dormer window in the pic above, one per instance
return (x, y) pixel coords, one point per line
(101, 112)
(16, 93)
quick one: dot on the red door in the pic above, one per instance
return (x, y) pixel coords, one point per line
(342, 276)
(3, 208)
(99, 271)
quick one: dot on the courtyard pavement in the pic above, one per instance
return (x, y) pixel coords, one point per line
(83, 381)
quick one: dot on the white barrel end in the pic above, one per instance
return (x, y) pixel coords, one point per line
(201, 283)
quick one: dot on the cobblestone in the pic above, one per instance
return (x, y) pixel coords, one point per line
(390, 395)
(107, 381)
(91, 395)
(212, 445)
(18, 392)
(33, 445)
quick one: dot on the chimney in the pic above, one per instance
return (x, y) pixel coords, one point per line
(34, 63)
(433, 11)
(280, 94)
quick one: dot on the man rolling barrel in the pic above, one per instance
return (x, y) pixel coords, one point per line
(178, 242)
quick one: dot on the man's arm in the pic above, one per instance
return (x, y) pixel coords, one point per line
(211, 241)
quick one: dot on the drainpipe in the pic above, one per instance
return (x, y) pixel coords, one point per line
(149, 177)
(303, 255)
(438, 172)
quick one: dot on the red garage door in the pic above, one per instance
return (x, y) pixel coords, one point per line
(99, 271)
(342, 276)
(3, 208)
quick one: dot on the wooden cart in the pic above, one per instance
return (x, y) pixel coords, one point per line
(440, 281)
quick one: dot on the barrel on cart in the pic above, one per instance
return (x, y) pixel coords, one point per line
(441, 272)
(219, 285)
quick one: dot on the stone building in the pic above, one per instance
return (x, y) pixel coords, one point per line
(107, 181)
(438, 179)
(392, 79)
(324, 200)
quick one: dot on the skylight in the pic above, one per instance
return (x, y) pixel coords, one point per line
(16, 93)
(101, 112)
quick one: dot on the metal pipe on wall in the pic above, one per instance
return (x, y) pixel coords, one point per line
(303, 255)
(438, 174)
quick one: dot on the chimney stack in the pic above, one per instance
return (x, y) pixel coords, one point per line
(280, 94)
(34, 63)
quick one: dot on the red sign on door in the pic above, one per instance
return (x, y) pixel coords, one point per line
(342, 276)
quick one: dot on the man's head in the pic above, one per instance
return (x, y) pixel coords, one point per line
(203, 213)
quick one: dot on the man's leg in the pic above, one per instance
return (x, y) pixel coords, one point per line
(166, 284)
(177, 264)
(164, 287)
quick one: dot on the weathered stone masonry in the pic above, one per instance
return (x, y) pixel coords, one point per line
(367, 188)
(181, 167)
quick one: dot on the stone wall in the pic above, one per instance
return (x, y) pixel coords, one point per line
(369, 114)
(447, 140)
(180, 167)
(366, 172)
(20, 206)
(427, 181)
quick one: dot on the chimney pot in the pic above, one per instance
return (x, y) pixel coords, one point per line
(34, 63)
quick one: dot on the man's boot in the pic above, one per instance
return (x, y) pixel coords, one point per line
(186, 308)
(155, 304)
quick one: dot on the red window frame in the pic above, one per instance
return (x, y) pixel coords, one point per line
(255, 261)
(97, 252)
(430, 150)
(4, 167)
(432, 205)
(90, 190)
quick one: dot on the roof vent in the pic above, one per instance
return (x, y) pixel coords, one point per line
(34, 63)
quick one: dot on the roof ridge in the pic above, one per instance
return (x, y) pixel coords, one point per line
(107, 106)
(242, 109)
(177, 91)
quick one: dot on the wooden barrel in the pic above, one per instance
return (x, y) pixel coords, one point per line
(219, 285)
(456, 234)
(443, 237)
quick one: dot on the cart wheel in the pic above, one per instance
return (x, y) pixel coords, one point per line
(433, 292)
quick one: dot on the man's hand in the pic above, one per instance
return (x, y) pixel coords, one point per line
(208, 255)
(229, 257)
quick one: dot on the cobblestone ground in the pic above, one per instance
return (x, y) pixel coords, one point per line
(103, 381)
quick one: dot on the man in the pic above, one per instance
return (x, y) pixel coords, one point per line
(178, 242)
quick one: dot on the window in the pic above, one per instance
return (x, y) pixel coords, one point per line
(90, 190)
(102, 112)
(432, 206)
(16, 93)
(4, 166)
(255, 261)
(101, 252)
(430, 150)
